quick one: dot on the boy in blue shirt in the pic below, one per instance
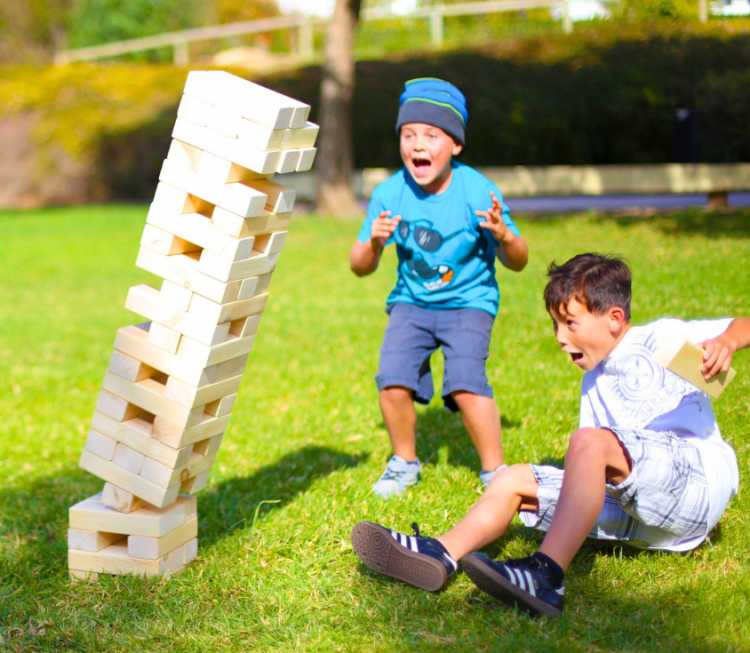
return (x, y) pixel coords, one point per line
(435, 211)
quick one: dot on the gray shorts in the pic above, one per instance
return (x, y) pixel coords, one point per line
(413, 334)
(663, 504)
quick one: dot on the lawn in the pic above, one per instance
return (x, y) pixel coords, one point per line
(276, 571)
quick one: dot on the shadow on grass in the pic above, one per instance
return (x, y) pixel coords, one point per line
(693, 221)
(33, 519)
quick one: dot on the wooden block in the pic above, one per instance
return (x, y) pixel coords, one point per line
(223, 121)
(175, 295)
(134, 341)
(265, 138)
(145, 301)
(80, 540)
(280, 198)
(116, 407)
(191, 551)
(289, 161)
(164, 338)
(179, 437)
(189, 396)
(194, 110)
(685, 359)
(250, 100)
(87, 576)
(101, 445)
(190, 182)
(166, 477)
(231, 368)
(208, 446)
(165, 243)
(183, 269)
(197, 483)
(237, 227)
(224, 270)
(115, 560)
(128, 458)
(254, 286)
(243, 199)
(245, 327)
(220, 313)
(121, 500)
(122, 478)
(224, 172)
(306, 159)
(149, 521)
(226, 148)
(129, 368)
(149, 394)
(178, 201)
(184, 155)
(221, 407)
(199, 354)
(138, 435)
(177, 560)
(270, 244)
(199, 229)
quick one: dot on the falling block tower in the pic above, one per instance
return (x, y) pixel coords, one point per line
(213, 235)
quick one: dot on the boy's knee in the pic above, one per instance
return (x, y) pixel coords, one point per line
(513, 479)
(396, 394)
(587, 441)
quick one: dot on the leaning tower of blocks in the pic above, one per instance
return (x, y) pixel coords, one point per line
(213, 235)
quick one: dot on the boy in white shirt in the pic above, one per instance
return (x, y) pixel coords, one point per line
(647, 466)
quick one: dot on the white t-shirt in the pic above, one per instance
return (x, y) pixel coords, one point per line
(629, 389)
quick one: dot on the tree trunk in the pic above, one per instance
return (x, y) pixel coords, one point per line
(335, 160)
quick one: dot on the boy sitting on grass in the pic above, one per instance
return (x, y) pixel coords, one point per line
(648, 465)
(446, 295)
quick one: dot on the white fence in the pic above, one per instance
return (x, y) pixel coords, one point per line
(180, 41)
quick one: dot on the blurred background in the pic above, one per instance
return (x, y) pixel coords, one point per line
(89, 89)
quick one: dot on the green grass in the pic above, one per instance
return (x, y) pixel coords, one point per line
(307, 434)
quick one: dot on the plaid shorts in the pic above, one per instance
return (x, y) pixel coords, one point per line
(663, 504)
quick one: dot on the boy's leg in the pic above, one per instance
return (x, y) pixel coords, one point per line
(427, 562)
(594, 456)
(512, 489)
(482, 421)
(400, 416)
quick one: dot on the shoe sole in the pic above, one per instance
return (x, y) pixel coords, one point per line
(498, 586)
(376, 547)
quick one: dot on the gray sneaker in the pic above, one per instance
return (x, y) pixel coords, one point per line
(398, 475)
(486, 477)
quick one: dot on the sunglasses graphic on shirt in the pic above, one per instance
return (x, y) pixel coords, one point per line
(428, 239)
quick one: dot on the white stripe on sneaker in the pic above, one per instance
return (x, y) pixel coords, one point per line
(403, 539)
(452, 561)
(531, 590)
(413, 544)
(394, 535)
(517, 578)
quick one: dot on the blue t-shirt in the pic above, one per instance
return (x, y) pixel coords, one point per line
(445, 260)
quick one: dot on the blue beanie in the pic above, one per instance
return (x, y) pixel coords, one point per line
(434, 102)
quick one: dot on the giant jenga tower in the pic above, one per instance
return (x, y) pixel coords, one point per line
(213, 234)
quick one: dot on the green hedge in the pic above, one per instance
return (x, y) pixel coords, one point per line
(601, 95)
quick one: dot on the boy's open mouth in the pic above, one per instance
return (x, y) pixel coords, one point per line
(422, 166)
(576, 356)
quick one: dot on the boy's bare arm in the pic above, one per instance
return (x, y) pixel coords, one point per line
(513, 251)
(719, 350)
(364, 257)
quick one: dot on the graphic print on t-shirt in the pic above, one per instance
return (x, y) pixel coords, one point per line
(420, 244)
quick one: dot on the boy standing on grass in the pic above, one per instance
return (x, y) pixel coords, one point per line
(435, 210)
(648, 465)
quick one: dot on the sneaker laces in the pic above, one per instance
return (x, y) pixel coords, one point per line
(392, 474)
(415, 528)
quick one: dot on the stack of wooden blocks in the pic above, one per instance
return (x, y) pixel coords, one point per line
(213, 234)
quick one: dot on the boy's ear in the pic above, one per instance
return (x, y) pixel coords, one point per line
(457, 147)
(616, 318)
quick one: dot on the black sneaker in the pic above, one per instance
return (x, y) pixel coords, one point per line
(519, 582)
(419, 561)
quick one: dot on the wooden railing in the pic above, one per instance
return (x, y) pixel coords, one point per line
(180, 41)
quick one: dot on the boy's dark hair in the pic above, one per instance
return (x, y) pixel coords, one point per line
(597, 281)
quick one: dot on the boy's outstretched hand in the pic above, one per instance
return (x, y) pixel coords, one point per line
(718, 351)
(383, 227)
(493, 220)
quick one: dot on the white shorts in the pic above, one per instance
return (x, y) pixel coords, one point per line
(663, 504)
